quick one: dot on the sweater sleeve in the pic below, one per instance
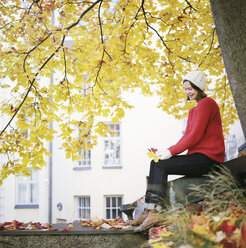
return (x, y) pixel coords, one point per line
(199, 124)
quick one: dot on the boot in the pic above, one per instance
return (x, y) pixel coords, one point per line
(152, 219)
(140, 218)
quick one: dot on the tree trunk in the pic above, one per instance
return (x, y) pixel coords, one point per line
(230, 23)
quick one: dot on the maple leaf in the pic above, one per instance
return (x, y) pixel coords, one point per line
(227, 228)
(198, 219)
(86, 224)
(65, 229)
(154, 150)
(53, 229)
(106, 226)
(38, 225)
(157, 230)
(46, 225)
(151, 154)
(160, 232)
(155, 244)
(199, 229)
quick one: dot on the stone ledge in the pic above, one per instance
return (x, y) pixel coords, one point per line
(179, 189)
(76, 237)
(77, 229)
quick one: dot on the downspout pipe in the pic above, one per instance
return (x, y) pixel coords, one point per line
(50, 167)
(50, 160)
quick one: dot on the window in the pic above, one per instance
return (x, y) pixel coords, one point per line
(113, 204)
(85, 161)
(112, 156)
(84, 207)
(27, 190)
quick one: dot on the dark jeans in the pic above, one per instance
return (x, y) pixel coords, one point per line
(193, 165)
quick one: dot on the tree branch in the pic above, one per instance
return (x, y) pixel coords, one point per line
(157, 33)
(82, 15)
(51, 56)
(35, 1)
(30, 51)
(2, 27)
(211, 45)
(65, 75)
(136, 18)
(145, 18)
(100, 22)
(31, 85)
(104, 50)
(158, 18)
(190, 6)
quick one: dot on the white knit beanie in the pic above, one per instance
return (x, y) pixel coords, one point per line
(197, 78)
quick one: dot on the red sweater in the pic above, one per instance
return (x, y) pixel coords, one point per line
(203, 133)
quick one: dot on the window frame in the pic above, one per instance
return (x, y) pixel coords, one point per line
(111, 208)
(78, 207)
(113, 138)
(87, 165)
(28, 182)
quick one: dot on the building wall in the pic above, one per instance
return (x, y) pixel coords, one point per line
(143, 127)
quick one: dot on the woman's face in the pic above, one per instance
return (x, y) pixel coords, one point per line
(190, 91)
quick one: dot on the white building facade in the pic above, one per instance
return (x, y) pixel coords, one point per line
(112, 174)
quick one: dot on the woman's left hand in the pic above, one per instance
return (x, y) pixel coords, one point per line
(163, 153)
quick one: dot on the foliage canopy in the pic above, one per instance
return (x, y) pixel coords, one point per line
(101, 49)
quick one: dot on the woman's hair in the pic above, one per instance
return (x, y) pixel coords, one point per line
(200, 93)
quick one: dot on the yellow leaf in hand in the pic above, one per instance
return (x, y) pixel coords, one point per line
(153, 156)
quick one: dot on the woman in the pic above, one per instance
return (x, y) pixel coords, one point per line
(203, 138)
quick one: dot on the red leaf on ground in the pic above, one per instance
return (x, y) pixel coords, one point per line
(53, 229)
(228, 229)
(37, 225)
(65, 229)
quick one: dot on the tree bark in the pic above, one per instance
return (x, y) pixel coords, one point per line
(230, 22)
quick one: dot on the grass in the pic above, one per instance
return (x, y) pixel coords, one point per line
(218, 221)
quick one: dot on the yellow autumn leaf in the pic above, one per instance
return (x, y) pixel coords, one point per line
(153, 156)
(200, 229)
(166, 234)
(157, 243)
